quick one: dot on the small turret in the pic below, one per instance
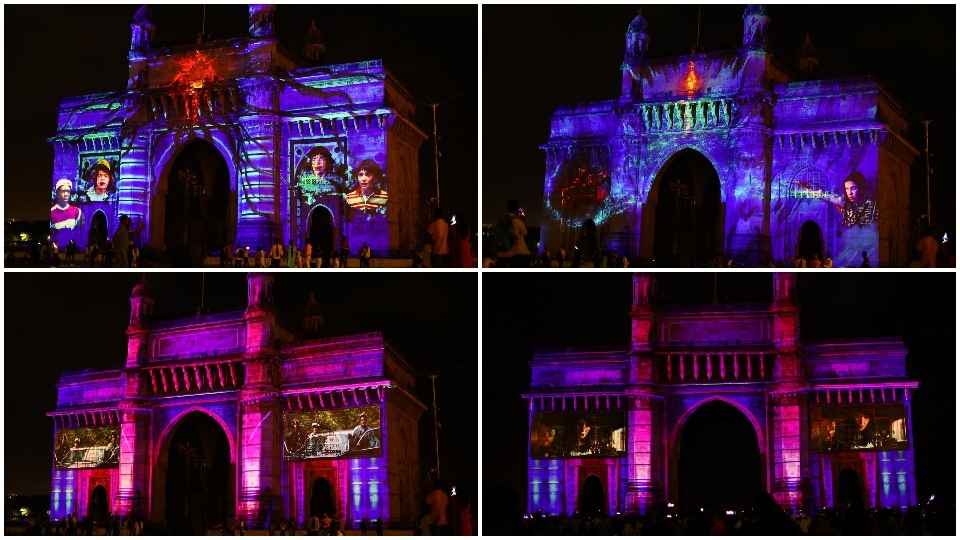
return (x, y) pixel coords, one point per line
(259, 291)
(807, 59)
(141, 302)
(755, 22)
(313, 316)
(313, 47)
(638, 40)
(141, 30)
(261, 20)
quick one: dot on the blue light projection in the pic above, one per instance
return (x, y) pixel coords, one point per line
(758, 137)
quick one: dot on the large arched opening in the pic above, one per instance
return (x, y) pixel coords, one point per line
(593, 502)
(195, 481)
(198, 205)
(810, 242)
(688, 213)
(718, 461)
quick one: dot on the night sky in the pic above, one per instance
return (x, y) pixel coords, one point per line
(543, 57)
(57, 322)
(77, 50)
(526, 311)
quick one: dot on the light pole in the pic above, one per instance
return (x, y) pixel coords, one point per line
(926, 129)
(436, 422)
(436, 148)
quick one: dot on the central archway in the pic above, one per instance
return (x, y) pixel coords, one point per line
(719, 465)
(198, 476)
(688, 229)
(592, 500)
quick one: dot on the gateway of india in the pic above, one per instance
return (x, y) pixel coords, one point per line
(732, 153)
(239, 416)
(239, 140)
(824, 424)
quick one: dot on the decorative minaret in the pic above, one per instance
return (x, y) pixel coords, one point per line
(313, 47)
(141, 311)
(261, 20)
(790, 467)
(260, 426)
(807, 59)
(638, 41)
(135, 417)
(755, 22)
(312, 316)
(645, 485)
(141, 31)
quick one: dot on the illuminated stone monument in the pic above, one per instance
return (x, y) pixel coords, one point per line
(731, 152)
(239, 416)
(242, 141)
(831, 420)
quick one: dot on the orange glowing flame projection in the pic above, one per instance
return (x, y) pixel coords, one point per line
(195, 71)
(691, 82)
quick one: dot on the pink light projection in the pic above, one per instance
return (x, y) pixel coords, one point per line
(810, 424)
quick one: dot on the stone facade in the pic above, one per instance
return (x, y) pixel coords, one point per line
(226, 383)
(211, 143)
(729, 152)
(747, 356)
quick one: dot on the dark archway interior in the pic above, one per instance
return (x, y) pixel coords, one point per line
(97, 235)
(199, 483)
(720, 466)
(321, 231)
(849, 493)
(98, 509)
(592, 500)
(321, 498)
(811, 241)
(198, 204)
(688, 205)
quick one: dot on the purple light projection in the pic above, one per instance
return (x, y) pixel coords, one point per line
(211, 144)
(701, 155)
(746, 356)
(215, 381)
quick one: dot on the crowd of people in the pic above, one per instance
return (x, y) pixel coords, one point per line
(764, 518)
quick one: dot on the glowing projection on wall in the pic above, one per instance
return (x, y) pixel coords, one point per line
(99, 179)
(353, 432)
(369, 189)
(87, 448)
(853, 428)
(582, 192)
(573, 434)
(319, 173)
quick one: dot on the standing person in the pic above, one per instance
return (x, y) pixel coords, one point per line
(121, 239)
(71, 252)
(64, 217)
(828, 261)
(460, 236)
(276, 253)
(291, 254)
(866, 260)
(307, 254)
(518, 255)
(365, 255)
(438, 500)
(439, 245)
(258, 258)
(344, 251)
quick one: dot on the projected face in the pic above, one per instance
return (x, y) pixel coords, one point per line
(862, 421)
(101, 182)
(320, 164)
(87, 448)
(557, 435)
(63, 196)
(850, 190)
(365, 180)
(353, 432)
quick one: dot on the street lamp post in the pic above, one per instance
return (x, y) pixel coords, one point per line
(436, 147)
(926, 129)
(436, 422)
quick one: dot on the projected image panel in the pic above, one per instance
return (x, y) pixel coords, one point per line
(563, 435)
(856, 428)
(87, 448)
(369, 189)
(99, 178)
(318, 172)
(353, 432)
